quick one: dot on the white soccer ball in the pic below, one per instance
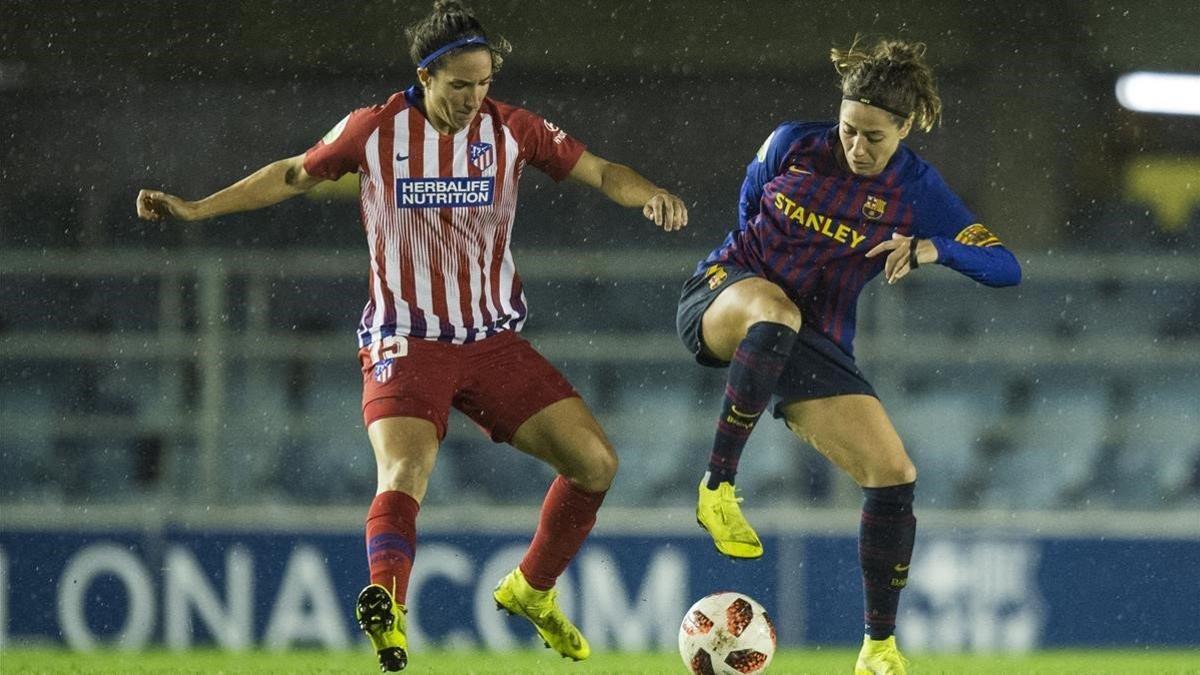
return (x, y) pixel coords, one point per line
(726, 634)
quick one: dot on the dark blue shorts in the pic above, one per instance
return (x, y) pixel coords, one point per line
(817, 368)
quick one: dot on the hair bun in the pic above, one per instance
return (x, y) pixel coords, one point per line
(448, 7)
(900, 51)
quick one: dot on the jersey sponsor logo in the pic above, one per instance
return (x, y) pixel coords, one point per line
(716, 276)
(336, 131)
(977, 235)
(482, 155)
(456, 192)
(874, 207)
(559, 134)
(824, 225)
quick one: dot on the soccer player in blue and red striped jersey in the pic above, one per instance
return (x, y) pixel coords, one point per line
(825, 207)
(439, 165)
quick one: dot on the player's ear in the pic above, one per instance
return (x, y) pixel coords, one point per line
(424, 77)
(905, 128)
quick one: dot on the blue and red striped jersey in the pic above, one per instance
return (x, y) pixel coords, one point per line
(806, 224)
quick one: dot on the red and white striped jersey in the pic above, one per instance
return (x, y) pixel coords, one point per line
(438, 213)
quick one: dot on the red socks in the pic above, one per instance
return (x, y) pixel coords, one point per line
(568, 514)
(392, 541)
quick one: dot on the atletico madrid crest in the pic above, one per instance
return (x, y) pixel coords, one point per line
(874, 207)
(382, 371)
(482, 155)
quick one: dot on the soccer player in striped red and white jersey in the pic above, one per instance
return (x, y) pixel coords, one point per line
(439, 166)
(825, 207)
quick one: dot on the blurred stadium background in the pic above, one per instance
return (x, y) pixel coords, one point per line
(180, 436)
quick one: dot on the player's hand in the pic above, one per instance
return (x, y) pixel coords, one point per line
(896, 266)
(666, 210)
(155, 205)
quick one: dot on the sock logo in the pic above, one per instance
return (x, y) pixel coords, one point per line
(901, 579)
(901, 568)
(740, 419)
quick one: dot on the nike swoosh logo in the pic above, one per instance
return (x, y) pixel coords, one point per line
(799, 171)
(901, 568)
(735, 411)
(400, 157)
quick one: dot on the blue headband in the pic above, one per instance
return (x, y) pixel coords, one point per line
(461, 42)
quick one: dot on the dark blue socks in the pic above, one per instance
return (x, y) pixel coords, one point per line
(755, 369)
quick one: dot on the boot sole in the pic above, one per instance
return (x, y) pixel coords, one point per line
(375, 615)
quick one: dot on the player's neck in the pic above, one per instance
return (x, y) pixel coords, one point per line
(441, 124)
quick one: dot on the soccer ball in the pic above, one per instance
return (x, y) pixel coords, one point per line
(726, 634)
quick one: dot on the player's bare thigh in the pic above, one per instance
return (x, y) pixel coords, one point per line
(855, 433)
(405, 452)
(745, 303)
(567, 436)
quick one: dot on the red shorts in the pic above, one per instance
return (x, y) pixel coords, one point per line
(499, 382)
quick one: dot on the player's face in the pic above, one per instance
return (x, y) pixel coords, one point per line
(454, 93)
(869, 137)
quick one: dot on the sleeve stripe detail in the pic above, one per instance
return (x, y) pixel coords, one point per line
(977, 235)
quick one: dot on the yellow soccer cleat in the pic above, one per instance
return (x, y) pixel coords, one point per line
(382, 619)
(880, 657)
(718, 511)
(514, 595)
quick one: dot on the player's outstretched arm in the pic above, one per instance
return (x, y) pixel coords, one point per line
(992, 265)
(627, 187)
(269, 185)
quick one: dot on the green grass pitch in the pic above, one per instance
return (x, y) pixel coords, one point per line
(787, 662)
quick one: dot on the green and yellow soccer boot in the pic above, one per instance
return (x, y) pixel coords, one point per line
(382, 619)
(514, 595)
(880, 657)
(719, 512)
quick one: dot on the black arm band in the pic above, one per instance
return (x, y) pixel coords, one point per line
(913, 263)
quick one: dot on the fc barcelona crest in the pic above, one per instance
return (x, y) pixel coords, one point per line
(874, 207)
(482, 155)
(715, 275)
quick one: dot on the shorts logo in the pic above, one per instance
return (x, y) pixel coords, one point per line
(716, 275)
(482, 155)
(382, 372)
(874, 207)
(456, 192)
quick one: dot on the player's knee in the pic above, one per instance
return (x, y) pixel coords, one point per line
(905, 472)
(599, 468)
(774, 309)
(894, 468)
(404, 474)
